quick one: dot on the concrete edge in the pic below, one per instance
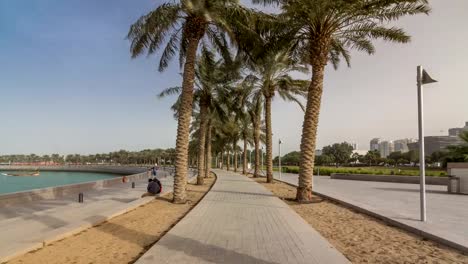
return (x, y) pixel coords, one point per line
(85, 226)
(392, 222)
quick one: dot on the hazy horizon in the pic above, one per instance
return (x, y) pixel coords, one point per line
(68, 85)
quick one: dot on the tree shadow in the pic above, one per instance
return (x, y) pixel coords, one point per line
(197, 249)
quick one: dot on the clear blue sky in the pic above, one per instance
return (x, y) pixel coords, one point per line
(68, 85)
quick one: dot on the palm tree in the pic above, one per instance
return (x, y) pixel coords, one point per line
(212, 80)
(458, 153)
(320, 31)
(184, 24)
(250, 101)
(271, 74)
(246, 131)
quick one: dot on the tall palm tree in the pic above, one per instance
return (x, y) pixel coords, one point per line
(271, 74)
(250, 101)
(322, 31)
(183, 25)
(246, 131)
(212, 80)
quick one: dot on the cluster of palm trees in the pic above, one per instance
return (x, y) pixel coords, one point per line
(303, 36)
(144, 157)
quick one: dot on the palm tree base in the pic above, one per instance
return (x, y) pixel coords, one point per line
(179, 201)
(200, 180)
(304, 195)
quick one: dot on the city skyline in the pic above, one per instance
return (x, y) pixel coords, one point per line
(63, 91)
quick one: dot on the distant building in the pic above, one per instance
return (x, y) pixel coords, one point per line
(385, 148)
(454, 132)
(318, 152)
(360, 152)
(374, 144)
(402, 144)
(440, 143)
(436, 143)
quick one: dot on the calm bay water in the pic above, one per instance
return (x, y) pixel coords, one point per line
(10, 184)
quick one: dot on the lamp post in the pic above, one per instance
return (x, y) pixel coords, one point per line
(279, 157)
(422, 78)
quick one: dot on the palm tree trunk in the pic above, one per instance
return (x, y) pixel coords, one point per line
(201, 143)
(269, 140)
(309, 131)
(228, 163)
(257, 147)
(235, 155)
(183, 126)
(244, 162)
(208, 150)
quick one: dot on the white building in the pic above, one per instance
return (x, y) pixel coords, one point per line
(402, 144)
(385, 148)
(374, 144)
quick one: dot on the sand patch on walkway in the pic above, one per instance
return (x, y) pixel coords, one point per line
(122, 239)
(364, 239)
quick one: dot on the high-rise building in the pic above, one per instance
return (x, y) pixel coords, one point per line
(374, 144)
(402, 144)
(385, 148)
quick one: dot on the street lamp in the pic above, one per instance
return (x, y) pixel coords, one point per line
(279, 157)
(422, 78)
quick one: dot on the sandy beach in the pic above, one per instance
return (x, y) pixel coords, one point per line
(122, 239)
(364, 239)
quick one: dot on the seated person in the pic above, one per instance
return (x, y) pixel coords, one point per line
(154, 187)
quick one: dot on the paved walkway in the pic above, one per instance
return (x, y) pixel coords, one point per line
(239, 221)
(447, 214)
(31, 225)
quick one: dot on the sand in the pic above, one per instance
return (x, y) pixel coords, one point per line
(365, 239)
(122, 239)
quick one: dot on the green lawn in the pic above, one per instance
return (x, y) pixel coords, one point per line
(367, 170)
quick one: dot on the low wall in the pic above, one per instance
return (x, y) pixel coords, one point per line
(131, 173)
(390, 178)
(122, 170)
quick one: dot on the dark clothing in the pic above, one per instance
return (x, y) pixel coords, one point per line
(153, 171)
(154, 186)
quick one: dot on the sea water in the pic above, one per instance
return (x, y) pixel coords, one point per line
(10, 184)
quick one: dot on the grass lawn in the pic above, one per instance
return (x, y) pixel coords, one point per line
(410, 171)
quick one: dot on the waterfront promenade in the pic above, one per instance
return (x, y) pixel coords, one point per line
(28, 226)
(447, 214)
(240, 221)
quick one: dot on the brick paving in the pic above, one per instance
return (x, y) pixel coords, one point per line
(239, 221)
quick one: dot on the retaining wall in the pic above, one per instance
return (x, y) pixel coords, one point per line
(131, 173)
(390, 178)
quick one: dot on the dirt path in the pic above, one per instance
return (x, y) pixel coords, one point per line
(122, 239)
(364, 239)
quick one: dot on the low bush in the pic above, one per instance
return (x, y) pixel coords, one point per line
(366, 170)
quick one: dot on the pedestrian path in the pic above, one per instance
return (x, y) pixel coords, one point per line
(240, 221)
(29, 226)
